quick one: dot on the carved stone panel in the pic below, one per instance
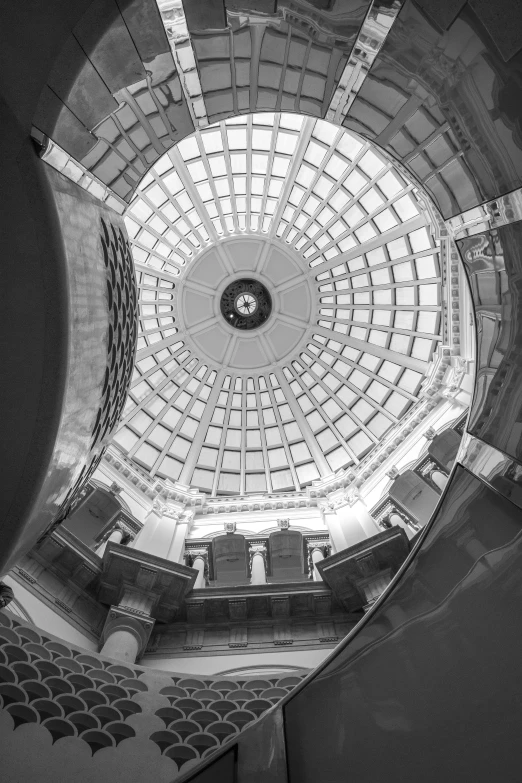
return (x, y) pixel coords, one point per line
(238, 636)
(326, 632)
(281, 606)
(195, 611)
(194, 639)
(237, 608)
(282, 635)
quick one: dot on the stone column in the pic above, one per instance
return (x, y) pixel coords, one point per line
(121, 644)
(316, 554)
(199, 563)
(141, 588)
(125, 634)
(115, 537)
(258, 564)
(440, 479)
(397, 519)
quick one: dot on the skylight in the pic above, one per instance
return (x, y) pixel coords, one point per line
(335, 367)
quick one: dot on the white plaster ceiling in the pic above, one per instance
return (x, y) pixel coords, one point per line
(287, 279)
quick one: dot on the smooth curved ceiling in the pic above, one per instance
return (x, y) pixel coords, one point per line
(344, 248)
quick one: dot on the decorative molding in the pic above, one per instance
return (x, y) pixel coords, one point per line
(352, 495)
(63, 606)
(133, 610)
(26, 576)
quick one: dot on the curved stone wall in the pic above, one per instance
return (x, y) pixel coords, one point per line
(96, 311)
(88, 717)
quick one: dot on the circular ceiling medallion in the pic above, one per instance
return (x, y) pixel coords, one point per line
(245, 304)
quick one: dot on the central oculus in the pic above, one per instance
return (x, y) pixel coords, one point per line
(245, 304)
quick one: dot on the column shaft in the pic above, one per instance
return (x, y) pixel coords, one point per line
(199, 565)
(317, 556)
(258, 569)
(122, 645)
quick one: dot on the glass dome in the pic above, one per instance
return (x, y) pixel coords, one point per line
(322, 222)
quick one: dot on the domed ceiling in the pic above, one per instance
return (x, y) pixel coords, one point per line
(289, 292)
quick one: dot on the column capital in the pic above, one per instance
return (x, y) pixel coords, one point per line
(172, 512)
(198, 552)
(352, 495)
(317, 546)
(128, 535)
(188, 516)
(195, 549)
(257, 548)
(163, 509)
(326, 506)
(157, 506)
(202, 554)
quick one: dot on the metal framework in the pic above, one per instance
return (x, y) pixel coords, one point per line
(364, 241)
